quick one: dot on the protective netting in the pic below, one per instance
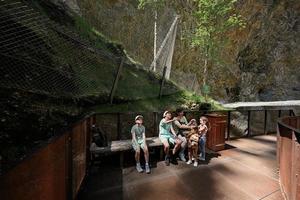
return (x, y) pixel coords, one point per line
(40, 55)
(186, 80)
(164, 55)
(166, 38)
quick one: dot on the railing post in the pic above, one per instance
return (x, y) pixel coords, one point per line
(249, 118)
(119, 126)
(155, 124)
(265, 122)
(279, 113)
(228, 124)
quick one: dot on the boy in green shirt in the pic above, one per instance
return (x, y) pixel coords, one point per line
(138, 142)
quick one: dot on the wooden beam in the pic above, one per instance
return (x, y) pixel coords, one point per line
(162, 82)
(115, 84)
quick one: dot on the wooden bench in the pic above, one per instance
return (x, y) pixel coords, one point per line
(122, 146)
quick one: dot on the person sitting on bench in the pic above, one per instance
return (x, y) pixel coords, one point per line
(168, 136)
(138, 142)
(182, 127)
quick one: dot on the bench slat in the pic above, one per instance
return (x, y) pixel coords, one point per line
(124, 145)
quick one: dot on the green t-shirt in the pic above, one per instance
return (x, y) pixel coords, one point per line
(138, 130)
(164, 128)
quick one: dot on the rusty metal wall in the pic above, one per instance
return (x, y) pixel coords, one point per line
(42, 176)
(288, 155)
(79, 137)
(56, 171)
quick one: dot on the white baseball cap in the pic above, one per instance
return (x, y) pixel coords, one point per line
(165, 113)
(138, 117)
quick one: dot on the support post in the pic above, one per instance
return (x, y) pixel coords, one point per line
(279, 113)
(115, 84)
(249, 118)
(155, 123)
(162, 82)
(228, 124)
(119, 126)
(265, 122)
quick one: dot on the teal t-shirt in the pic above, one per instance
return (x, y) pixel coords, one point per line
(138, 130)
(164, 128)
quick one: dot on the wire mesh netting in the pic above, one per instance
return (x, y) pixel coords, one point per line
(42, 56)
(136, 32)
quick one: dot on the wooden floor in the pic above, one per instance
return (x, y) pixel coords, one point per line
(247, 170)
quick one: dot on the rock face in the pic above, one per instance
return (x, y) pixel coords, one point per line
(262, 61)
(69, 5)
(269, 60)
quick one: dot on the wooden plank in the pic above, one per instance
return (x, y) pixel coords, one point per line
(124, 145)
(115, 85)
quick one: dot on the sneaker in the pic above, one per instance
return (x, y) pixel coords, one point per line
(195, 164)
(182, 158)
(147, 167)
(202, 159)
(139, 168)
(167, 160)
(189, 162)
(193, 158)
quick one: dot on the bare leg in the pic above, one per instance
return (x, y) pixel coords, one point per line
(166, 147)
(146, 154)
(190, 154)
(177, 146)
(137, 155)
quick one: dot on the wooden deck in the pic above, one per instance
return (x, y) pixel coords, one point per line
(247, 170)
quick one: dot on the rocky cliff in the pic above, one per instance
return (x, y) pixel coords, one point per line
(261, 61)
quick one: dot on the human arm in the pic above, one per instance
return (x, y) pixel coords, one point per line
(169, 121)
(144, 135)
(173, 131)
(182, 126)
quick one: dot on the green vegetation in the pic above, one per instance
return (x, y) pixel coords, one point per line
(168, 102)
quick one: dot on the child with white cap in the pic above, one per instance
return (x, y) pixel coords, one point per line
(139, 142)
(168, 136)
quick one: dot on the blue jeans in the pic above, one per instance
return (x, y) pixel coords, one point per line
(202, 141)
